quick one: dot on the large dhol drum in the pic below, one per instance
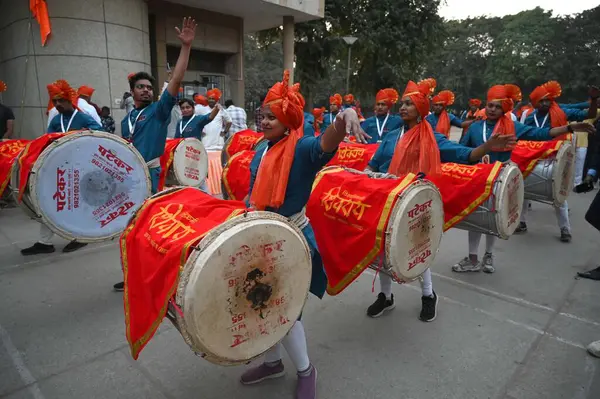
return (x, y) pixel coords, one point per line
(551, 181)
(84, 186)
(189, 166)
(9, 151)
(243, 280)
(499, 215)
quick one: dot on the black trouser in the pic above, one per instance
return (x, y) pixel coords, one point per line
(593, 213)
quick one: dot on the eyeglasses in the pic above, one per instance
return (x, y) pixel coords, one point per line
(140, 86)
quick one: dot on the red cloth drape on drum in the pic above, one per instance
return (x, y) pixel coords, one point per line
(349, 213)
(241, 141)
(236, 175)
(527, 153)
(166, 160)
(154, 248)
(9, 150)
(354, 155)
(31, 153)
(464, 188)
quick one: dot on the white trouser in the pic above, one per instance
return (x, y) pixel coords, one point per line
(562, 214)
(580, 155)
(385, 282)
(45, 235)
(475, 239)
(295, 345)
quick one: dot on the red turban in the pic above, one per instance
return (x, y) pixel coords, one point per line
(318, 114)
(61, 90)
(2, 87)
(389, 96)
(336, 99)
(349, 98)
(445, 98)
(417, 151)
(475, 102)
(215, 94)
(130, 76)
(431, 83)
(287, 104)
(200, 99)
(550, 91)
(505, 95)
(85, 91)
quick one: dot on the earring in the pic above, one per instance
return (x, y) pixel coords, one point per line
(287, 132)
(419, 119)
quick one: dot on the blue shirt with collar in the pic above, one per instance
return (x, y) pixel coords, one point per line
(474, 136)
(309, 159)
(573, 115)
(150, 130)
(81, 120)
(449, 151)
(369, 125)
(194, 129)
(433, 120)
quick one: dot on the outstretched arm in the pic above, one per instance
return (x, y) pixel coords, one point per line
(186, 35)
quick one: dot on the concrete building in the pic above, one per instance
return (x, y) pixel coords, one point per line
(99, 42)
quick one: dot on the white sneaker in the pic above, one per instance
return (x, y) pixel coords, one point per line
(594, 348)
(466, 265)
(488, 263)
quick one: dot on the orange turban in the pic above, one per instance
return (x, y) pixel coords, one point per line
(550, 91)
(505, 95)
(287, 104)
(389, 96)
(318, 114)
(349, 98)
(85, 91)
(131, 75)
(2, 87)
(445, 98)
(475, 102)
(336, 99)
(417, 151)
(61, 90)
(215, 94)
(431, 83)
(200, 99)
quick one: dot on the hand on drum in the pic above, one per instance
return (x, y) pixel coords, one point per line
(501, 140)
(349, 121)
(584, 127)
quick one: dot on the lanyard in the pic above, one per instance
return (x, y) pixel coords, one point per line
(485, 131)
(543, 122)
(380, 129)
(62, 124)
(181, 129)
(400, 135)
(132, 126)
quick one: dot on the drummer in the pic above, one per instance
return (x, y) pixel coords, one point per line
(474, 105)
(335, 105)
(440, 120)
(281, 181)
(64, 98)
(548, 113)
(146, 125)
(417, 148)
(383, 121)
(500, 101)
(191, 124)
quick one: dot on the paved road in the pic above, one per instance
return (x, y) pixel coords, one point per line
(517, 334)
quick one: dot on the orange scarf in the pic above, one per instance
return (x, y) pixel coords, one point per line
(505, 125)
(550, 91)
(417, 151)
(287, 105)
(445, 98)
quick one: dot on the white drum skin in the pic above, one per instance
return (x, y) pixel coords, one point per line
(551, 180)
(190, 164)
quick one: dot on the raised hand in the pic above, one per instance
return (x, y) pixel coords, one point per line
(352, 125)
(187, 32)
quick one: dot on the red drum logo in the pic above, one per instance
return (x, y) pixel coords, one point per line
(122, 211)
(60, 196)
(110, 157)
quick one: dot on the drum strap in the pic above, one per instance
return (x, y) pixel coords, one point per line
(299, 219)
(154, 163)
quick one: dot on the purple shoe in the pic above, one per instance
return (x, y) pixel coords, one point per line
(307, 385)
(262, 372)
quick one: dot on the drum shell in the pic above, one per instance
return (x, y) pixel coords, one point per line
(26, 204)
(177, 177)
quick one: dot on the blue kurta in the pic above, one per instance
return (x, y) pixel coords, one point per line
(433, 120)
(328, 119)
(309, 129)
(150, 131)
(369, 125)
(194, 129)
(81, 120)
(449, 151)
(474, 137)
(573, 115)
(309, 158)
(583, 105)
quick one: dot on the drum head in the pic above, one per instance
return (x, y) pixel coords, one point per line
(509, 196)
(244, 288)
(87, 185)
(190, 163)
(415, 230)
(25, 204)
(563, 173)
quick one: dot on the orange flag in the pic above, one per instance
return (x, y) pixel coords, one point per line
(39, 9)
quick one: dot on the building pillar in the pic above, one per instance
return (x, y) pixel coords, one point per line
(288, 46)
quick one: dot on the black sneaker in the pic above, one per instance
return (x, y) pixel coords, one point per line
(565, 235)
(429, 308)
(73, 246)
(522, 228)
(119, 286)
(37, 249)
(380, 306)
